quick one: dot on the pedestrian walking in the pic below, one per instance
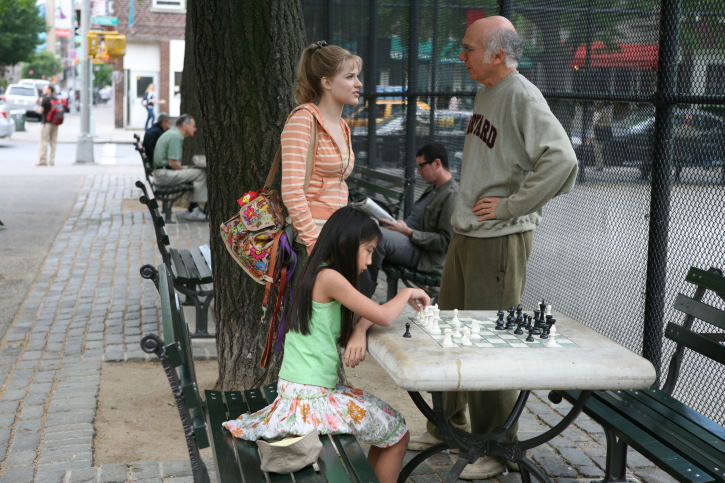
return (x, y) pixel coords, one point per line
(51, 116)
(149, 102)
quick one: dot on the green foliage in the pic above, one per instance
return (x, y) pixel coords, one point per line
(102, 75)
(41, 65)
(20, 24)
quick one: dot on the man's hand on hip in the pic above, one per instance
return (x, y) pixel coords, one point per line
(174, 164)
(485, 208)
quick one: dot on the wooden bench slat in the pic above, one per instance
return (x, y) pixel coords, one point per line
(700, 310)
(254, 399)
(330, 463)
(206, 252)
(227, 465)
(390, 193)
(235, 403)
(189, 264)
(177, 265)
(687, 412)
(679, 439)
(702, 427)
(371, 173)
(270, 393)
(201, 265)
(354, 457)
(640, 440)
(707, 279)
(696, 342)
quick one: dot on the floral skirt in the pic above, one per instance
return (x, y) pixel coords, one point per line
(300, 409)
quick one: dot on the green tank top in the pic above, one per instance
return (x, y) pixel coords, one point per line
(313, 358)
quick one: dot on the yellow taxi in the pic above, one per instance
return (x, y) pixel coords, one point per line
(385, 108)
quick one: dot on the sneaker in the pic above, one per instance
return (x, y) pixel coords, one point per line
(422, 442)
(483, 468)
(196, 215)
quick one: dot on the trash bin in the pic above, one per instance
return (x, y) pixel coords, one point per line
(19, 118)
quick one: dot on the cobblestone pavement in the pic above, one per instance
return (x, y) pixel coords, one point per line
(88, 304)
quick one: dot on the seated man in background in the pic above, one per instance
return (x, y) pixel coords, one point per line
(161, 125)
(421, 240)
(168, 170)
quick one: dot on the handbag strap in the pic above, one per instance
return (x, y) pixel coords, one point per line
(272, 323)
(309, 161)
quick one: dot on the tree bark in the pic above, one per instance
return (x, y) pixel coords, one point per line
(189, 97)
(246, 54)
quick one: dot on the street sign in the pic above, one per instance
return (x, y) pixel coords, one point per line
(105, 20)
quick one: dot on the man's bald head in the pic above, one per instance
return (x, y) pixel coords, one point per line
(498, 34)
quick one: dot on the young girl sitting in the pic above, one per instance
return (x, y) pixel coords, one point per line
(321, 317)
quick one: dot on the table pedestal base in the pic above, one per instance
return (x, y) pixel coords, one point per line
(473, 446)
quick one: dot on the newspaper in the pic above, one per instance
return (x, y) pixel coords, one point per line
(373, 209)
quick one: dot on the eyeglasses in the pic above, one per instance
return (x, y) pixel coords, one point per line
(420, 165)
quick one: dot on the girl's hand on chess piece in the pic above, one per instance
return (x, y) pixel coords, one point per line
(418, 299)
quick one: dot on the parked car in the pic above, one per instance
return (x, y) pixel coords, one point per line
(385, 108)
(7, 125)
(23, 98)
(698, 140)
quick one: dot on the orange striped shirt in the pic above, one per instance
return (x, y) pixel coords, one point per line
(327, 190)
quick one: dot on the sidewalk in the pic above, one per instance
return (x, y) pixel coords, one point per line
(88, 305)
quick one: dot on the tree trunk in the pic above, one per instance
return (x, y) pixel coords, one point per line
(246, 54)
(189, 97)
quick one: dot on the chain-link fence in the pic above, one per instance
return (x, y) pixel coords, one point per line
(650, 198)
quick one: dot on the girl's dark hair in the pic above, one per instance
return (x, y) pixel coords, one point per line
(320, 60)
(337, 246)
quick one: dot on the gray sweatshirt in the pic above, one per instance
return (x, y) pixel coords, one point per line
(516, 149)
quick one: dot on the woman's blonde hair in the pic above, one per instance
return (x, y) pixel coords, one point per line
(320, 60)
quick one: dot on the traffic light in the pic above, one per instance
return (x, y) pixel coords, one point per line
(115, 45)
(93, 42)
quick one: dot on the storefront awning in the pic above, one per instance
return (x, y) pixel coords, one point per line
(627, 56)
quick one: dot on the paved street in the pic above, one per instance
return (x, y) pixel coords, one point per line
(72, 298)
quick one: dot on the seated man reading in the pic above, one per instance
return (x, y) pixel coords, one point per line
(421, 240)
(168, 170)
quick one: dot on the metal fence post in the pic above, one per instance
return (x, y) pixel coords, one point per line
(371, 83)
(410, 166)
(506, 8)
(660, 187)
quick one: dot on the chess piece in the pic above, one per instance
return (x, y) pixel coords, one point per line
(499, 321)
(466, 339)
(551, 327)
(434, 328)
(475, 326)
(530, 338)
(536, 314)
(448, 341)
(519, 309)
(519, 329)
(548, 309)
(407, 330)
(529, 323)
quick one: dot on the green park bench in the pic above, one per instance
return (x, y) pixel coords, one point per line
(190, 269)
(167, 194)
(341, 459)
(678, 439)
(388, 190)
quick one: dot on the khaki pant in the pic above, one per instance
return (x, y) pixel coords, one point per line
(173, 177)
(483, 274)
(48, 135)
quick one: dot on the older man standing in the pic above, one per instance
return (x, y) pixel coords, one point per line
(516, 157)
(168, 170)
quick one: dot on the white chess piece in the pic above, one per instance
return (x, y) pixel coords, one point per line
(455, 315)
(448, 342)
(548, 310)
(552, 331)
(434, 328)
(475, 326)
(466, 339)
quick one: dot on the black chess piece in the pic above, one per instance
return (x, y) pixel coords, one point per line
(407, 330)
(511, 323)
(529, 325)
(542, 308)
(530, 338)
(519, 329)
(544, 333)
(536, 314)
(549, 318)
(519, 309)
(499, 322)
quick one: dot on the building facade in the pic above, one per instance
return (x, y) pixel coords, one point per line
(154, 31)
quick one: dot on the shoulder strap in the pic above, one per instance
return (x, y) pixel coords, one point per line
(310, 159)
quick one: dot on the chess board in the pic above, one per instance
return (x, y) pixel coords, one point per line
(489, 337)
